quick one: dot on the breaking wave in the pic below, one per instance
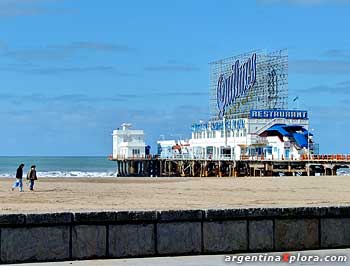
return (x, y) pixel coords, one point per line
(67, 174)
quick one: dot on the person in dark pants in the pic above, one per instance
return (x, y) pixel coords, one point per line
(19, 175)
(31, 176)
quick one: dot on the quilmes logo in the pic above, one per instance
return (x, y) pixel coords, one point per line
(235, 85)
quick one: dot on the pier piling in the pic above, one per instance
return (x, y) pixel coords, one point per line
(226, 168)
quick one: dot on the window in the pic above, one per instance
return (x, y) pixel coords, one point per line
(135, 152)
(268, 149)
(210, 151)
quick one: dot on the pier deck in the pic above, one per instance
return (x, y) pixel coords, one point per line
(151, 166)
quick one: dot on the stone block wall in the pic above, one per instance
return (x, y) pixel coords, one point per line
(89, 235)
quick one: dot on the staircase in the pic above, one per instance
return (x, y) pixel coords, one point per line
(269, 124)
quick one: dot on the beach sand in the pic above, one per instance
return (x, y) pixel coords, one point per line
(90, 194)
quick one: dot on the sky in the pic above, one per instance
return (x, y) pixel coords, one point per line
(71, 71)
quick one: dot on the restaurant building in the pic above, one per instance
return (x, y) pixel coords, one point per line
(249, 114)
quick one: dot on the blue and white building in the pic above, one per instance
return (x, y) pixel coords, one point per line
(249, 114)
(254, 137)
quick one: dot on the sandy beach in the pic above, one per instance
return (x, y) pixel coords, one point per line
(88, 194)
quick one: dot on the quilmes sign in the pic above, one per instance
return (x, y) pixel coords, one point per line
(271, 114)
(230, 124)
(235, 85)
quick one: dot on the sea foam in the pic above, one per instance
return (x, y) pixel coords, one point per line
(68, 174)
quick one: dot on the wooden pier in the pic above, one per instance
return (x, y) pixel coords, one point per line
(152, 166)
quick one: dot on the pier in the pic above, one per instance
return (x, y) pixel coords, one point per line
(179, 166)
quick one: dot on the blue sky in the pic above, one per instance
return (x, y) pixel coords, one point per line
(71, 71)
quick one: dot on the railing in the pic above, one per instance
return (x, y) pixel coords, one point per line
(123, 157)
(305, 157)
(253, 157)
(256, 139)
(182, 156)
(269, 124)
(198, 157)
(327, 157)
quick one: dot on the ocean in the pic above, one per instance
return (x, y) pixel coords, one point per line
(59, 166)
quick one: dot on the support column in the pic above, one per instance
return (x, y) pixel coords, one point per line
(141, 168)
(127, 170)
(234, 169)
(152, 168)
(117, 172)
(201, 169)
(132, 168)
(220, 166)
(169, 168)
(146, 168)
(193, 173)
(121, 165)
(334, 171)
(160, 167)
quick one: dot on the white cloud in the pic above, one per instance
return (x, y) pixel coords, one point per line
(14, 8)
(315, 66)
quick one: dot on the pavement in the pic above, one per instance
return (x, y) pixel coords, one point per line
(312, 257)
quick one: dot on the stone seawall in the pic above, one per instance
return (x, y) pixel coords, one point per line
(70, 236)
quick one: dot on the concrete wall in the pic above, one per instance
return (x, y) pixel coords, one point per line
(67, 236)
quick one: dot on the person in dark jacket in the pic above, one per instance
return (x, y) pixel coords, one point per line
(31, 176)
(19, 175)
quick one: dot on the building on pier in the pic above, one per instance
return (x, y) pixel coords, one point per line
(128, 143)
(249, 114)
(252, 137)
(174, 149)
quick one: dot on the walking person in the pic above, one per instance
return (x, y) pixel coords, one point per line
(31, 176)
(19, 175)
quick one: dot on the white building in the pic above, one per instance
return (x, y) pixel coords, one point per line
(253, 138)
(128, 143)
(245, 138)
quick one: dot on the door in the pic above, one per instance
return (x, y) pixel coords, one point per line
(287, 154)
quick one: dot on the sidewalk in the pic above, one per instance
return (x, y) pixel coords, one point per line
(205, 260)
